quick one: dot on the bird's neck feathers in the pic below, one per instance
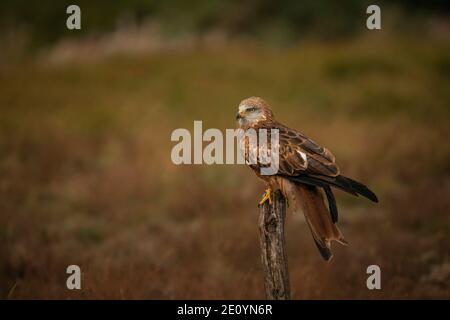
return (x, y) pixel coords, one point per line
(265, 121)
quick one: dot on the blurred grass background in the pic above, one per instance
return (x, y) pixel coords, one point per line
(85, 123)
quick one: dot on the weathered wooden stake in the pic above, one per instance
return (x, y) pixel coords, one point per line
(273, 248)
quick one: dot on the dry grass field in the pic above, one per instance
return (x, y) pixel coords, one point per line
(86, 176)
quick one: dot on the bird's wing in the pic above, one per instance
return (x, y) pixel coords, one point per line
(301, 155)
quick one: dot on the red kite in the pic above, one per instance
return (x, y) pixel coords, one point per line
(304, 169)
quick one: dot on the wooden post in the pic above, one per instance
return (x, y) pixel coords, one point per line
(273, 248)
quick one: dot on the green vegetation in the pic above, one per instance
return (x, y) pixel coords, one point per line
(282, 21)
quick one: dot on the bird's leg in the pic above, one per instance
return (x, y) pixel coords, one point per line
(267, 196)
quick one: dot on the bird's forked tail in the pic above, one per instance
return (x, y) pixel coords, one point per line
(323, 230)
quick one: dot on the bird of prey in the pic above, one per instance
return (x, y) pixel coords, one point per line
(306, 173)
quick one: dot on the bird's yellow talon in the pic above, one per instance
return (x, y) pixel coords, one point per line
(267, 196)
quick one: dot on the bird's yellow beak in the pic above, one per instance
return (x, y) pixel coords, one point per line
(240, 115)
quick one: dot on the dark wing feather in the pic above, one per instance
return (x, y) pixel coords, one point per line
(300, 155)
(345, 184)
(331, 203)
(349, 185)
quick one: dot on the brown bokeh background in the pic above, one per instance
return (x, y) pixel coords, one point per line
(86, 176)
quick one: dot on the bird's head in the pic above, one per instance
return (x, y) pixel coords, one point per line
(253, 110)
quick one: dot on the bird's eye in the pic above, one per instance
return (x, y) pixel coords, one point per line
(251, 109)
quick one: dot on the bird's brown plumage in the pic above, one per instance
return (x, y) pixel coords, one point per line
(305, 168)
